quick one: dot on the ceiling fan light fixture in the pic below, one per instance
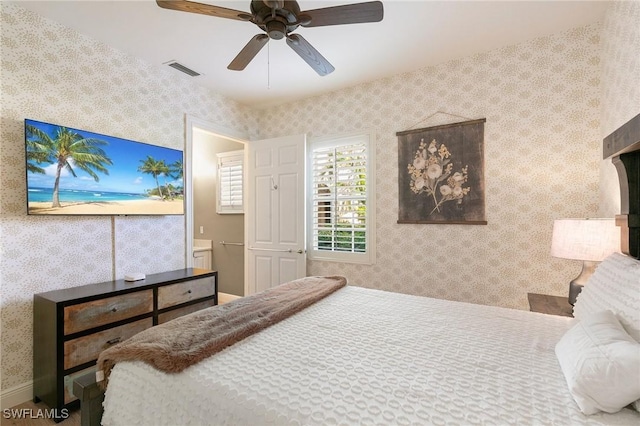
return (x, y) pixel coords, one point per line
(276, 29)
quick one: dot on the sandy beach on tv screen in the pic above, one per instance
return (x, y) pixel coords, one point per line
(128, 207)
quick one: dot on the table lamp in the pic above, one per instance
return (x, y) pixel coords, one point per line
(589, 240)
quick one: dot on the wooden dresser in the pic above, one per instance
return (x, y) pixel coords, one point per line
(72, 326)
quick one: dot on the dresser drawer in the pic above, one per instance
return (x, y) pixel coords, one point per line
(175, 294)
(178, 312)
(88, 315)
(87, 348)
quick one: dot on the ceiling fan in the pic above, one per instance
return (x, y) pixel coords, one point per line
(278, 19)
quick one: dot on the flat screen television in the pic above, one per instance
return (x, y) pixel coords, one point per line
(77, 172)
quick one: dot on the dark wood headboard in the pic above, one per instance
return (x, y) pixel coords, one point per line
(623, 146)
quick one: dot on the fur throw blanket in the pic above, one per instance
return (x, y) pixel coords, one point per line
(175, 345)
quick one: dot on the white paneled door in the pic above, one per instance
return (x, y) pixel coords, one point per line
(275, 212)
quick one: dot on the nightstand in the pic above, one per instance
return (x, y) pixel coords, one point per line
(552, 305)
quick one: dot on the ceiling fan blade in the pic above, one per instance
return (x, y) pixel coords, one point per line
(249, 52)
(310, 55)
(204, 9)
(356, 13)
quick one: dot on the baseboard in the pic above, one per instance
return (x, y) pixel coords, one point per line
(225, 297)
(16, 395)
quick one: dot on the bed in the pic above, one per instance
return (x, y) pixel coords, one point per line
(362, 356)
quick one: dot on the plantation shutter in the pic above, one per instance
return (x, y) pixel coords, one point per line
(230, 171)
(339, 197)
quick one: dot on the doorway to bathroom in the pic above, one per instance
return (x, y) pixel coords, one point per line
(215, 223)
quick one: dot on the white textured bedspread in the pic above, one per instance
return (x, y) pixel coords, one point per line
(368, 357)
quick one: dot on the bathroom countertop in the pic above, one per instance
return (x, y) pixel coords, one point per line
(201, 248)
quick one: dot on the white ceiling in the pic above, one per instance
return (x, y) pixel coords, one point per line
(412, 35)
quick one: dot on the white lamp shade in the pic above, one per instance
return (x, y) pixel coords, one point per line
(585, 239)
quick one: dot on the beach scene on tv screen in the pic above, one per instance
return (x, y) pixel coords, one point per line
(71, 171)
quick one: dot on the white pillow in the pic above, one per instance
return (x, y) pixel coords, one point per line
(601, 364)
(614, 286)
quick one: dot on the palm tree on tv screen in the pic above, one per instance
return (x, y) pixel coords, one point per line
(69, 150)
(176, 171)
(37, 152)
(154, 168)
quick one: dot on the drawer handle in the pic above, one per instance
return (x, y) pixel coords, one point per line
(188, 292)
(114, 309)
(114, 341)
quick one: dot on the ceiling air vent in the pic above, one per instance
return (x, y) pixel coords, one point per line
(180, 67)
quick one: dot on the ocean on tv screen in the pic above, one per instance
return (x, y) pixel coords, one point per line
(39, 195)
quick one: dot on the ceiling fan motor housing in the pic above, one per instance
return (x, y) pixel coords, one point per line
(276, 22)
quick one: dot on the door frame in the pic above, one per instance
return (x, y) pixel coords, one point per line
(190, 123)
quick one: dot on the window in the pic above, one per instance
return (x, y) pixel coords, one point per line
(341, 207)
(229, 199)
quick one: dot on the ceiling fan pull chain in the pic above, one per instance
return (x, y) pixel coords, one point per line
(268, 65)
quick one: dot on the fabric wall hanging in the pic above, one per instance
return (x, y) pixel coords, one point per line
(441, 174)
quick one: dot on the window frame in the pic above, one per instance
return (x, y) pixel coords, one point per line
(220, 157)
(368, 257)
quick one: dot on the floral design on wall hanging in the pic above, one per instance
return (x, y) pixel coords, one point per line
(431, 173)
(441, 174)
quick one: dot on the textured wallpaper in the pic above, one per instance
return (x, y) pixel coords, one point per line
(542, 146)
(620, 87)
(541, 99)
(51, 73)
